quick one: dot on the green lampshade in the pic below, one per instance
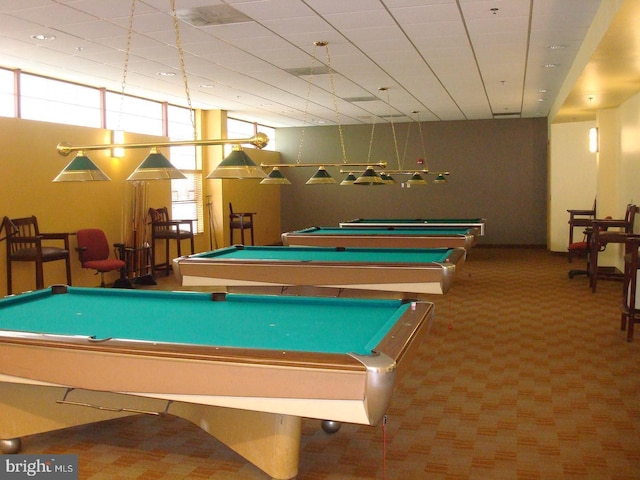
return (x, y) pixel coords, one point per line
(275, 177)
(387, 179)
(440, 178)
(321, 177)
(81, 169)
(416, 179)
(237, 165)
(369, 177)
(156, 167)
(348, 180)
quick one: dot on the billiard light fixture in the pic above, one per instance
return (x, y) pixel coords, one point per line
(369, 177)
(237, 165)
(156, 166)
(416, 179)
(81, 169)
(275, 177)
(416, 176)
(321, 177)
(348, 180)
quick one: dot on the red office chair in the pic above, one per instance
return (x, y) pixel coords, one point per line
(94, 252)
(579, 218)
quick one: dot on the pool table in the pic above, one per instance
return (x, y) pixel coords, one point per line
(428, 271)
(479, 223)
(383, 237)
(245, 368)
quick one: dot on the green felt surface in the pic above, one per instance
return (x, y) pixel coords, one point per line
(328, 254)
(416, 220)
(418, 232)
(325, 325)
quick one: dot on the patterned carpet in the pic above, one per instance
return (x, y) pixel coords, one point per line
(525, 375)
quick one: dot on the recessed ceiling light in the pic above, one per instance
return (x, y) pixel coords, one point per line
(551, 65)
(555, 47)
(542, 90)
(43, 36)
(207, 85)
(166, 74)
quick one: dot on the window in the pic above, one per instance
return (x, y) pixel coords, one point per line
(243, 129)
(186, 195)
(7, 94)
(56, 101)
(133, 114)
(50, 100)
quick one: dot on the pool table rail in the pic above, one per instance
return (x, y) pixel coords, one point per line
(187, 372)
(423, 278)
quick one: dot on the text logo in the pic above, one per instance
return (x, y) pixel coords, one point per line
(40, 466)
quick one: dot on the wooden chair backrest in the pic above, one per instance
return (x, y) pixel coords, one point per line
(21, 233)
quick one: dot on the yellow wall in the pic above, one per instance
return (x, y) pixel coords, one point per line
(29, 161)
(245, 195)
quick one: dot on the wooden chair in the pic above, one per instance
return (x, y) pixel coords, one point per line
(94, 251)
(163, 228)
(580, 249)
(25, 244)
(242, 222)
(579, 219)
(630, 310)
(601, 236)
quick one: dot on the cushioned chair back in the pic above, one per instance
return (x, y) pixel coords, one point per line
(94, 243)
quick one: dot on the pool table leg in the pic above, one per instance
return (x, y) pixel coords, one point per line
(29, 409)
(269, 441)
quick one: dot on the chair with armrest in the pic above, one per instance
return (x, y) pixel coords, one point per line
(601, 236)
(583, 248)
(629, 307)
(164, 228)
(25, 244)
(579, 219)
(94, 251)
(240, 221)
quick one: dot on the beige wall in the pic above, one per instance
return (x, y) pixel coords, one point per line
(572, 179)
(498, 171)
(615, 176)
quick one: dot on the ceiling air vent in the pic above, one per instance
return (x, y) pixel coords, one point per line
(307, 71)
(212, 15)
(360, 99)
(507, 115)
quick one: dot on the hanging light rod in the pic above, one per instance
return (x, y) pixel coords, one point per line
(396, 172)
(260, 140)
(318, 165)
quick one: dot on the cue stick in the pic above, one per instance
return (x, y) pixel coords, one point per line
(212, 226)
